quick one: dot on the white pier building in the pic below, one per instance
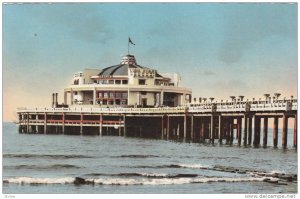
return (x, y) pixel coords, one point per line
(126, 85)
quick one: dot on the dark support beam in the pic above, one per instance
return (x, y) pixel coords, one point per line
(245, 130)
(220, 129)
(231, 121)
(265, 132)
(202, 131)
(284, 131)
(295, 132)
(250, 130)
(275, 132)
(212, 129)
(256, 140)
(239, 130)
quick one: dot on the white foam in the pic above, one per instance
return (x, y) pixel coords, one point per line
(154, 174)
(194, 166)
(137, 181)
(30, 180)
(277, 171)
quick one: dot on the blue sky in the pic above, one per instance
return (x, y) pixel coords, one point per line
(219, 49)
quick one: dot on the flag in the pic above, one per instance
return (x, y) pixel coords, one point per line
(130, 41)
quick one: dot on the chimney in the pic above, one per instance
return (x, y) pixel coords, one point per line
(53, 100)
(56, 102)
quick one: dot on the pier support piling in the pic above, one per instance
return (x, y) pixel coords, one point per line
(212, 128)
(239, 130)
(184, 126)
(250, 130)
(275, 132)
(245, 130)
(256, 140)
(295, 132)
(284, 131)
(192, 128)
(265, 132)
(202, 131)
(220, 130)
(231, 120)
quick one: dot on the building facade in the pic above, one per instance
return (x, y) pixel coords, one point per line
(126, 85)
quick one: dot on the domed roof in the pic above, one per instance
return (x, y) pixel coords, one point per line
(121, 69)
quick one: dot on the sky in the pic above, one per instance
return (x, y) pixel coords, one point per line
(219, 49)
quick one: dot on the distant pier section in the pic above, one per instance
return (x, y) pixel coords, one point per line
(200, 121)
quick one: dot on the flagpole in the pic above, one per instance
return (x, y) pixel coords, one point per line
(128, 46)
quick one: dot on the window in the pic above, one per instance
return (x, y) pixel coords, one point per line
(142, 81)
(111, 81)
(123, 102)
(118, 102)
(118, 95)
(100, 95)
(118, 82)
(105, 95)
(124, 95)
(124, 81)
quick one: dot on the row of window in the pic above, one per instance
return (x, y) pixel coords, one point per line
(120, 95)
(111, 81)
(112, 102)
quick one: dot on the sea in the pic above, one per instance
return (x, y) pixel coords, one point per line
(70, 164)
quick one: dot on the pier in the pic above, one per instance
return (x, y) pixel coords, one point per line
(222, 122)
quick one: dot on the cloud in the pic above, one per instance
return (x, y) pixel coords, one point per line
(248, 24)
(209, 73)
(86, 21)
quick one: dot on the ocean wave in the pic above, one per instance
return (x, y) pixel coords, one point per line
(189, 166)
(43, 167)
(135, 156)
(48, 156)
(148, 175)
(132, 181)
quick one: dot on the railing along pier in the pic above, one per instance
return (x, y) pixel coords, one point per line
(196, 121)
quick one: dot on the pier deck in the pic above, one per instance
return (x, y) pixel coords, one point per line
(196, 121)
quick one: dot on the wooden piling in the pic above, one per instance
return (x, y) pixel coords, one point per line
(202, 131)
(125, 126)
(168, 126)
(256, 140)
(265, 132)
(119, 128)
(231, 121)
(220, 129)
(212, 127)
(295, 132)
(250, 130)
(245, 130)
(81, 123)
(192, 127)
(284, 131)
(45, 123)
(162, 127)
(275, 132)
(63, 122)
(239, 130)
(228, 130)
(100, 125)
(184, 126)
